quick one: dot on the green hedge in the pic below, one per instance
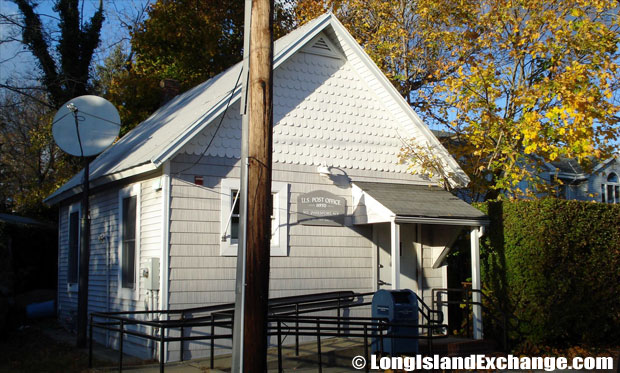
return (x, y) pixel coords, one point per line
(554, 265)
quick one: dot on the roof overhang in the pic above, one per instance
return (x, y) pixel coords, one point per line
(409, 203)
(61, 194)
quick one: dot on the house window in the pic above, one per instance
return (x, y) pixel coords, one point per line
(230, 218)
(234, 217)
(610, 191)
(73, 254)
(129, 250)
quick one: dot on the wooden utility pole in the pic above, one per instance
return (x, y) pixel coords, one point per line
(258, 229)
(82, 319)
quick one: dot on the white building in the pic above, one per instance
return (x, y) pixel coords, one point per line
(166, 189)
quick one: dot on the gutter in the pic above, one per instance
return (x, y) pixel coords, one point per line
(470, 222)
(58, 197)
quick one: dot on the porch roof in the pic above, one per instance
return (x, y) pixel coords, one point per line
(422, 204)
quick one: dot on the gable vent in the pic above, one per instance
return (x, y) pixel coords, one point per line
(322, 46)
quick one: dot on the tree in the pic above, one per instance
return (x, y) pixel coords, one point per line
(66, 73)
(538, 87)
(31, 165)
(413, 42)
(185, 40)
(517, 84)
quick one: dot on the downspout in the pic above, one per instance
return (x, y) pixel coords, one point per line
(107, 282)
(420, 258)
(164, 262)
(105, 239)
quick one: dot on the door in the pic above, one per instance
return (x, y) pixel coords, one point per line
(407, 252)
(381, 235)
(408, 262)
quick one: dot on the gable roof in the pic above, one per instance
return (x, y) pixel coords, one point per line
(166, 131)
(569, 168)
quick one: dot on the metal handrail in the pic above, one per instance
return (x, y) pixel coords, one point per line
(466, 299)
(281, 310)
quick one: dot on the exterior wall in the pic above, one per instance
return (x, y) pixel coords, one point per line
(324, 114)
(67, 300)
(320, 258)
(590, 189)
(600, 177)
(104, 258)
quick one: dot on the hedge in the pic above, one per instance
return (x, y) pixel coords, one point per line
(554, 265)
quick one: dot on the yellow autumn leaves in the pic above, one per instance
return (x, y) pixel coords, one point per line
(518, 82)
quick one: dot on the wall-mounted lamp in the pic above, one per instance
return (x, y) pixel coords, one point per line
(323, 170)
(157, 184)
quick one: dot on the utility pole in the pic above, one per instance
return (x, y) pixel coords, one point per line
(250, 354)
(82, 319)
(84, 259)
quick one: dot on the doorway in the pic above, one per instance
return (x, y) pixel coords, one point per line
(408, 260)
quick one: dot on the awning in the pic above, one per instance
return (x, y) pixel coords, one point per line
(406, 203)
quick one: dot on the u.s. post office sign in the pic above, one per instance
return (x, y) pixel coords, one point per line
(321, 208)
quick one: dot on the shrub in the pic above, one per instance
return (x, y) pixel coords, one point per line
(555, 266)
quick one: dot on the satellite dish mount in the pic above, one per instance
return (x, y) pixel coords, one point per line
(85, 126)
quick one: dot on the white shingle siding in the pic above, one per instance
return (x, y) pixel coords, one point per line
(324, 114)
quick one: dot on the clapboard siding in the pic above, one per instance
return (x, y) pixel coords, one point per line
(67, 300)
(104, 258)
(432, 278)
(319, 258)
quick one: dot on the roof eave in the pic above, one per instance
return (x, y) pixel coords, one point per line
(56, 197)
(218, 109)
(458, 177)
(461, 221)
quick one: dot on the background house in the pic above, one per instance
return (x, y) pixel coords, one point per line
(346, 214)
(602, 184)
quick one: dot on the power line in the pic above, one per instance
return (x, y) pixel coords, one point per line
(232, 91)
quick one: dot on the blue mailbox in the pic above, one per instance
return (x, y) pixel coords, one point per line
(397, 306)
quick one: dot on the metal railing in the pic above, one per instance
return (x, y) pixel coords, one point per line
(282, 311)
(465, 299)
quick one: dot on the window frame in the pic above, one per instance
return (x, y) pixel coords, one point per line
(608, 185)
(73, 208)
(279, 243)
(123, 292)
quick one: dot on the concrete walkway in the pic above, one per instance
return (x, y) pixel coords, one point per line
(337, 354)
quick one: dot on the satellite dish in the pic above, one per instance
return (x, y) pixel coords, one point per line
(96, 127)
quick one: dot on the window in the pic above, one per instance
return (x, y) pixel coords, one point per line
(73, 254)
(234, 217)
(230, 218)
(610, 191)
(129, 241)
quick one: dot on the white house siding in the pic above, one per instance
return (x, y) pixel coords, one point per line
(434, 240)
(67, 300)
(324, 113)
(104, 239)
(599, 178)
(320, 258)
